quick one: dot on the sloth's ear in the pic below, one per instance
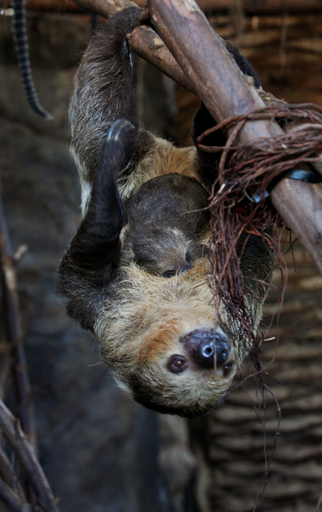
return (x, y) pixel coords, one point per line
(92, 259)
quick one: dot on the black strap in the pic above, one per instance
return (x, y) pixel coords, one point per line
(302, 172)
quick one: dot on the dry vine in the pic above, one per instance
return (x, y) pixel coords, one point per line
(238, 202)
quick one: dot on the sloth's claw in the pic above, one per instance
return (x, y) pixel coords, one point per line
(119, 127)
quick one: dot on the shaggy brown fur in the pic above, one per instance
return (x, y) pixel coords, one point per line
(137, 272)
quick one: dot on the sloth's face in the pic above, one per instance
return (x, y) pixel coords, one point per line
(174, 358)
(202, 349)
(163, 251)
(190, 376)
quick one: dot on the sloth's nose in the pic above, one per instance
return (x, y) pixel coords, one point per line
(204, 344)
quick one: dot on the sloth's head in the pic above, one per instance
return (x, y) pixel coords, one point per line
(162, 250)
(188, 380)
(166, 220)
(165, 346)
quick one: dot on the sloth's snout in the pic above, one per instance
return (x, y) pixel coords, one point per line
(207, 347)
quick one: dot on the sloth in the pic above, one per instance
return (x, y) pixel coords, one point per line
(167, 218)
(137, 273)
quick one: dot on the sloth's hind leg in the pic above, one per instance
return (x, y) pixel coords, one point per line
(103, 92)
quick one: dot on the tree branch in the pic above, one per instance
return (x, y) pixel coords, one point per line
(27, 458)
(14, 333)
(9, 477)
(147, 44)
(10, 499)
(227, 92)
(37, 488)
(248, 6)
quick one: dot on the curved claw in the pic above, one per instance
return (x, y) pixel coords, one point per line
(118, 127)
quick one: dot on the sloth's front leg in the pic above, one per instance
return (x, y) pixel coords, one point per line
(92, 259)
(97, 236)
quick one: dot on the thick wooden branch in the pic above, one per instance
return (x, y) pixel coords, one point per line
(227, 92)
(148, 45)
(305, 219)
(207, 64)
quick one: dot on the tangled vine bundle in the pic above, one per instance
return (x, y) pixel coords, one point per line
(239, 201)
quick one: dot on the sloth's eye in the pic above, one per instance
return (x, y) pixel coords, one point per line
(177, 364)
(170, 273)
(227, 369)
